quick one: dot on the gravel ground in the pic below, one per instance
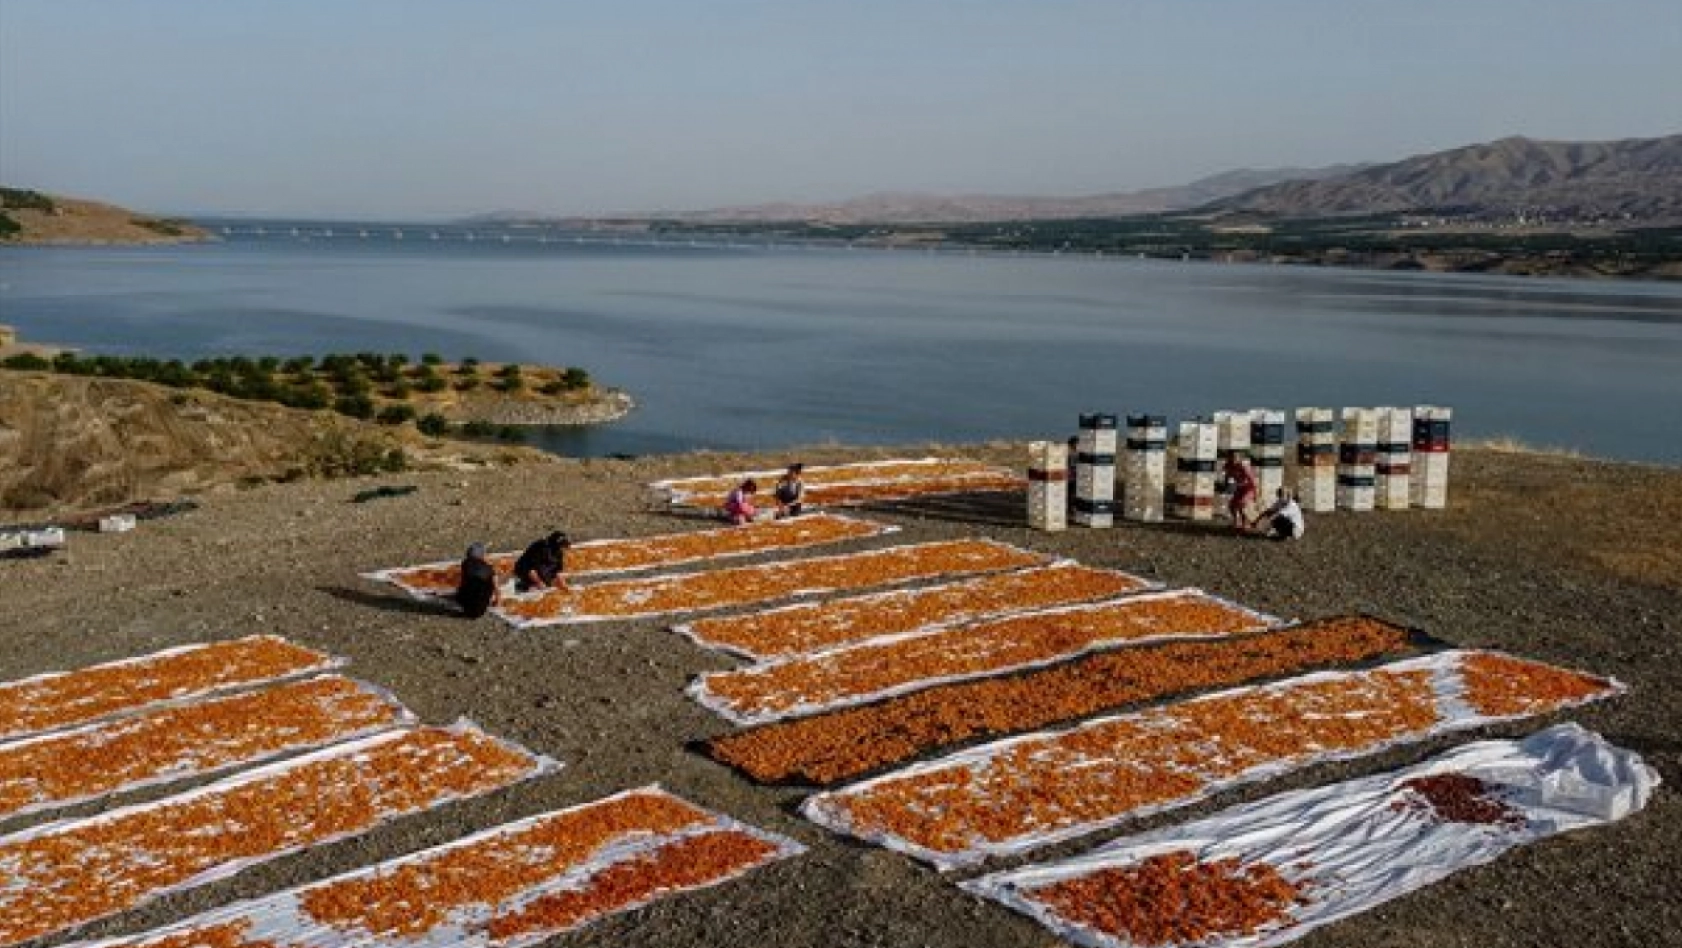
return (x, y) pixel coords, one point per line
(1561, 559)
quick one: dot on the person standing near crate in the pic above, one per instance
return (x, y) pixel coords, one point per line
(1241, 480)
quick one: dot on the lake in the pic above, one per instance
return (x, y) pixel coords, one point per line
(770, 346)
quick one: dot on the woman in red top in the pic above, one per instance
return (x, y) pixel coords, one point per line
(1242, 481)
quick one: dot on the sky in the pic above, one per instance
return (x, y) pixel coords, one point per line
(432, 109)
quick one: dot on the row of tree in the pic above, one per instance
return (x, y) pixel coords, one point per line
(366, 385)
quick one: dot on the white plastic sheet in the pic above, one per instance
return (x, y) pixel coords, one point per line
(282, 920)
(839, 617)
(1355, 845)
(410, 578)
(194, 760)
(31, 692)
(632, 599)
(889, 471)
(1159, 759)
(968, 642)
(79, 864)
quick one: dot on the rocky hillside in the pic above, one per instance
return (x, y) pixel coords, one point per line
(75, 442)
(31, 217)
(1638, 179)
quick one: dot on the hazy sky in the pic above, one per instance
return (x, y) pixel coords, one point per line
(435, 108)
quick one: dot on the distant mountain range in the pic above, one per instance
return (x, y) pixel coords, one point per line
(1638, 179)
(891, 208)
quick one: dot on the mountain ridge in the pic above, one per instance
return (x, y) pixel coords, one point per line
(1516, 176)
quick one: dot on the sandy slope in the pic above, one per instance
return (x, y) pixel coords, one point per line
(68, 441)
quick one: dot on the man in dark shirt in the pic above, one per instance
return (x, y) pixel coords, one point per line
(539, 567)
(477, 589)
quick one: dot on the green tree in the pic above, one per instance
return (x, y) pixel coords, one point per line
(356, 406)
(395, 414)
(27, 362)
(433, 425)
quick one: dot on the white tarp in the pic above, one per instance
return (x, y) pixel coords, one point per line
(281, 921)
(796, 528)
(1355, 845)
(967, 642)
(218, 728)
(628, 600)
(155, 817)
(837, 617)
(997, 799)
(681, 489)
(153, 666)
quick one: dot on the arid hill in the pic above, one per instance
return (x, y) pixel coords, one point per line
(1638, 179)
(70, 442)
(921, 208)
(30, 217)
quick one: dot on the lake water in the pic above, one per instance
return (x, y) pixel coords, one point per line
(772, 346)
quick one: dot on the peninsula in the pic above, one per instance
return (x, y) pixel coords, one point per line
(31, 217)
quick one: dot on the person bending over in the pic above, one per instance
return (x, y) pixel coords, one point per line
(539, 567)
(738, 504)
(790, 492)
(477, 591)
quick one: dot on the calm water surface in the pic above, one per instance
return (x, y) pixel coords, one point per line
(765, 347)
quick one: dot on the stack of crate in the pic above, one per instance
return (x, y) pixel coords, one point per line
(1194, 471)
(1095, 471)
(1316, 460)
(1232, 436)
(1145, 468)
(1357, 459)
(1048, 485)
(1395, 458)
(1429, 485)
(1267, 451)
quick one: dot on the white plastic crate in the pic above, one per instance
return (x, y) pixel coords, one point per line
(1097, 441)
(116, 523)
(1095, 482)
(52, 536)
(1048, 456)
(1048, 505)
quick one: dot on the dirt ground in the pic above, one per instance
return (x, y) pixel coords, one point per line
(1566, 560)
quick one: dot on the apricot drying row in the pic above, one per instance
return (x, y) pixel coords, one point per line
(64, 875)
(185, 740)
(842, 745)
(68, 699)
(1174, 898)
(749, 585)
(808, 683)
(1041, 788)
(811, 626)
(507, 886)
(845, 495)
(898, 469)
(672, 549)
